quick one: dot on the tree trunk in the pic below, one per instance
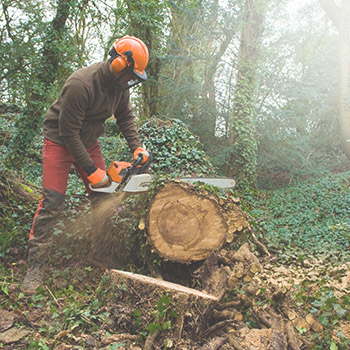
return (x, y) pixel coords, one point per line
(28, 124)
(340, 18)
(146, 23)
(182, 223)
(185, 224)
(241, 138)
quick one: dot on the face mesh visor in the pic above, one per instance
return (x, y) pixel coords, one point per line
(128, 77)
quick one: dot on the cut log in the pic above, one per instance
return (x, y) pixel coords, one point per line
(183, 224)
(154, 283)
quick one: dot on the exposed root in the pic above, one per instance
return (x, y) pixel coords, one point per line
(218, 327)
(215, 343)
(150, 340)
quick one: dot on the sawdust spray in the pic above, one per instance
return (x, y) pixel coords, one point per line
(91, 235)
(104, 246)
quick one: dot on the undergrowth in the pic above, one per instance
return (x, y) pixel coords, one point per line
(302, 220)
(308, 218)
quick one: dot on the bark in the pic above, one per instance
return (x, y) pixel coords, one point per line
(340, 18)
(241, 134)
(146, 30)
(205, 123)
(28, 125)
(183, 28)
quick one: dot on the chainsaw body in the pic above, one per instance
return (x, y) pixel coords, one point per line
(127, 177)
(133, 178)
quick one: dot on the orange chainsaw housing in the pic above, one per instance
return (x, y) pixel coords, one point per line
(117, 170)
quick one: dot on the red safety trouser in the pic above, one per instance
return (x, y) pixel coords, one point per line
(57, 163)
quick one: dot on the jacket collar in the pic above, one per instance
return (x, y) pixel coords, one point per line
(106, 76)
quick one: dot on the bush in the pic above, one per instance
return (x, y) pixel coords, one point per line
(176, 151)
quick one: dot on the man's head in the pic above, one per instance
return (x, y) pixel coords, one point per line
(129, 58)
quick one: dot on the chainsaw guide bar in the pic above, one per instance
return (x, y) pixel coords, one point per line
(132, 178)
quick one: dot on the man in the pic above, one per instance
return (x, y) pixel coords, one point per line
(72, 126)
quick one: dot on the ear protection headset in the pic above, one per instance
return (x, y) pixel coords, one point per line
(120, 61)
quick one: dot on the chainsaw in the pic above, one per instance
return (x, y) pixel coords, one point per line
(133, 178)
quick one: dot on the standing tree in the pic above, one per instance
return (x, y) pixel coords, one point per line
(339, 16)
(43, 75)
(242, 139)
(200, 32)
(147, 21)
(205, 123)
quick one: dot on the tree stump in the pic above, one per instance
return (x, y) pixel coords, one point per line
(184, 224)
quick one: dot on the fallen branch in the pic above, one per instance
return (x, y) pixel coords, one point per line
(53, 297)
(218, 326)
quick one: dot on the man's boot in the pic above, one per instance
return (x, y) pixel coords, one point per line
(41, 237)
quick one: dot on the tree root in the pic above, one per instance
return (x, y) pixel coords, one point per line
(215, 343)
(292, 339)
(150, 340)
(216, 328)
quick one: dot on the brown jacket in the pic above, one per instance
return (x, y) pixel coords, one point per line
(87, 99)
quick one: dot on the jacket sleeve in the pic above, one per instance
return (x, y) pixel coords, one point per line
(75, 99)
(124, 115)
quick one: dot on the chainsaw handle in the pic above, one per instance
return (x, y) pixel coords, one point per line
(138, 162)
(134, 168)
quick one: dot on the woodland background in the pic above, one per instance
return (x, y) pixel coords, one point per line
(261, 87)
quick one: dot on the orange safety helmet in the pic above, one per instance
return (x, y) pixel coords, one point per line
(129, 56)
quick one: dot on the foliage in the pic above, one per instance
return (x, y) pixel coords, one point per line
(162, 316)
(329, 308)
(297, 129)
(176, 150)
(16, 211)
(192, 75)
(308, 218)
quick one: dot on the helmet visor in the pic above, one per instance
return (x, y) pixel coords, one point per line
(129, 77)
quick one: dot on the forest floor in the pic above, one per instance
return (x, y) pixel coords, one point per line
(77, 308)
(300, 293)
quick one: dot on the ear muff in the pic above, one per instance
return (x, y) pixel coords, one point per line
(119, 64)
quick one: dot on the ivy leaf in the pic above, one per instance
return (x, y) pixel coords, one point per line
(323, 320)
(333, 346)
(116, 346)
(152, 327)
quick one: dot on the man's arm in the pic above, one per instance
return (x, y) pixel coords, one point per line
(75, 97)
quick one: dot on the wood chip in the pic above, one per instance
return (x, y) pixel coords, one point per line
(310, 319)
(6, 319)
(292, 315)
(13, 335)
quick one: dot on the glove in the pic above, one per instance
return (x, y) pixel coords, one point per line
(141, 151)
(98, 178)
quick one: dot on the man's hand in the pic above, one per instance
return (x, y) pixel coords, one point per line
(98, 178)
(141, 151)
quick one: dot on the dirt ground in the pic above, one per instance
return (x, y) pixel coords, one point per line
(257, 308)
